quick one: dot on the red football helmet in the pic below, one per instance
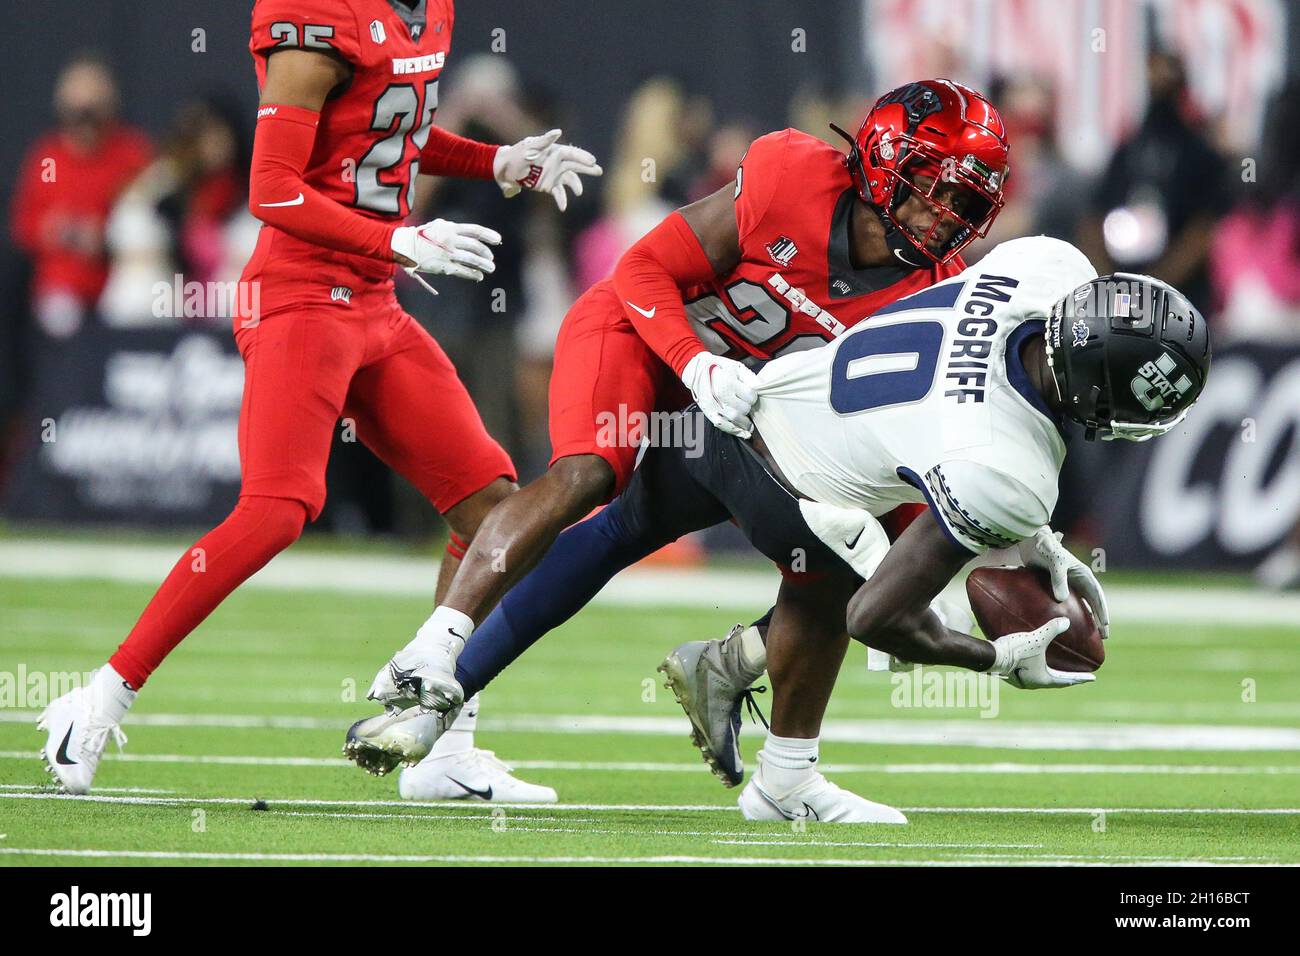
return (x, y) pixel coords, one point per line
(940, 129)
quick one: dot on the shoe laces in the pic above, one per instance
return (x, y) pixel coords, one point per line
(488, 760)
(751, 706)
(97, 738)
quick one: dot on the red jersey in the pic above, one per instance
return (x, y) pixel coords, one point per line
(795, 286)
(373, 128)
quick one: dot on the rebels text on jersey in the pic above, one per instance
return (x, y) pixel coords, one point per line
(373, 127)
(795, 286)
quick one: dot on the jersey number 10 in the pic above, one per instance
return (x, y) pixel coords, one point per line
(882, 365)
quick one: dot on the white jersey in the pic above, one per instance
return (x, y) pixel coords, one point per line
(928, 401)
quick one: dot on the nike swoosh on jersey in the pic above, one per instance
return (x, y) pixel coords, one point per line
(648, 315)
(288, 202)
(851, 544)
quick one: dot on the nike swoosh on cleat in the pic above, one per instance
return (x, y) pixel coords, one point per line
(288, 202)
(62, 756)
(648, 315)
(485, 794)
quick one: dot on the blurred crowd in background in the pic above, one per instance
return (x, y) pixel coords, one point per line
(128, 211)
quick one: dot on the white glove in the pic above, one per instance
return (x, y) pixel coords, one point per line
(725, 391)
(446, 248)
(1022, 658)
(852, 533)
(1044, 550)
(543, 164)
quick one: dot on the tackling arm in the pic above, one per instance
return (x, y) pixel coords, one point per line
(691, 246)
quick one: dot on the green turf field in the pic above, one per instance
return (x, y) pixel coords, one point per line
(253, 707)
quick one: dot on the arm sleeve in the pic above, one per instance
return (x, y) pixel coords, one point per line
(649, 279)
(981, 508)
(279, 197)
(446, 154)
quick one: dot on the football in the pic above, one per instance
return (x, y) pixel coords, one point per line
(1006, 600)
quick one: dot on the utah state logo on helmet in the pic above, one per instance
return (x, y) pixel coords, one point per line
(1130, 356)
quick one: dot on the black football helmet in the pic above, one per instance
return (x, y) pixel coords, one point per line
(1130, 356)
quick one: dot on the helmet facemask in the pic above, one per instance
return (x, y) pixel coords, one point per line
(917, 158)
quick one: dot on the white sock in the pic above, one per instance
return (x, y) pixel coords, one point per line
(460, 735)
(753, 653)
(110, 695)
(787, 762)
(443, 621)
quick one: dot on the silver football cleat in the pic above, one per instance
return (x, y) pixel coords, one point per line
(710, 681)
(379, 744)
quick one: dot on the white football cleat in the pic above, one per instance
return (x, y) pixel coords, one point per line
(816, 800)
(469, 775)
(76, 741)
(378, 744)
(423, 673)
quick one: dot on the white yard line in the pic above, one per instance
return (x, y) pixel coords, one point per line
(974, 732)
(24, 786)
(998, 768)
(624, 860)
(618, 807)
(639, 587)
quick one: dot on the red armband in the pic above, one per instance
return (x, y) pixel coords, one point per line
(650, 278)
(446, 154)
(278, 196)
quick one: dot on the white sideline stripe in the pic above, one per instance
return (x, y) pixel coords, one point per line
(638, 587)
(1001, 768)
(976, 732)
(619, 807)
(517, 822)
(24, 786)
(675, 859)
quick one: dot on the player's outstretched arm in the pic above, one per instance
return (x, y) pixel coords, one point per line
(689, 247)
(891, 611)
